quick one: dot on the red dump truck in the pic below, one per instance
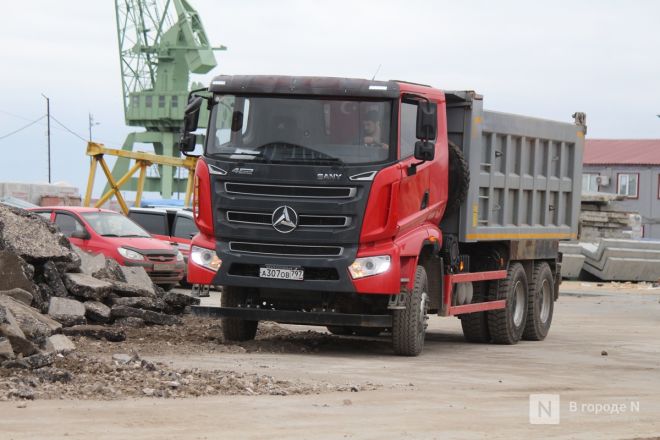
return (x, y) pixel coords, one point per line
(364, 206)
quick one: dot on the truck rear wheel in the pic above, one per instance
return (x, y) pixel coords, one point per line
(475, 325)
(235, 329)
(506, 325)
(540, 303)
(409, 324)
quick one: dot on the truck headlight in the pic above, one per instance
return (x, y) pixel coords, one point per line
(367, 266)
(129, 254)
(205, 257)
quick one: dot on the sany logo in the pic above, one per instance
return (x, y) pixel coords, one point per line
(329, 176)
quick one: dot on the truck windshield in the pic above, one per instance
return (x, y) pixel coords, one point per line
(299, 130)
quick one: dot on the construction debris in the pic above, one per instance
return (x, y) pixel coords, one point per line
(50, 290)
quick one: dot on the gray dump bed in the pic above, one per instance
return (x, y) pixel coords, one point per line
(525, 173)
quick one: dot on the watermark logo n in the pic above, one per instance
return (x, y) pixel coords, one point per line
(544, 409)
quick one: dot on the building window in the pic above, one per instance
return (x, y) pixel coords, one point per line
(589, 183)
(628, 185)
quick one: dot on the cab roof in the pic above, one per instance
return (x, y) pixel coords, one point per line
(304, 85)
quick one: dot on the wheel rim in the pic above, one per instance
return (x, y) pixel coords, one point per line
(518, 304)
(422, 313)
(546, 301)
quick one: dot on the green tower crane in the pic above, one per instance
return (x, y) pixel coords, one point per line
(161, 42)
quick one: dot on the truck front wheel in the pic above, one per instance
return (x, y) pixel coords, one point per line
(409, 324)
(235, 329)
(507, 325)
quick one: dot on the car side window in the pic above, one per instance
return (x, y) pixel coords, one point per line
(184, 227)
(68, 224)
(44, 214)
(155, 223)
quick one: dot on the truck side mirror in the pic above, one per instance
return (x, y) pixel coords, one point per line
(190, 123)
(191, 115)
(424, 150)
(427, 120)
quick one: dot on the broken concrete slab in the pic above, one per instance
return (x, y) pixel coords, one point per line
(19, 295)
(148, 316)
(31, 237)
(138, 277)
(85, 286)
(141, 302)
(38, 360)
(111, 271)
(59, 344)
(67, 311)
(6, 350)
(15, 273)
(89, 263)
(96, 311)
(130, 322)
(10, 329)
(51, 275)
(96, 331)
(130, 290)
(177, 302)
(33, 324)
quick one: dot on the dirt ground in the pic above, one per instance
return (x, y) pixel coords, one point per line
(602, 357)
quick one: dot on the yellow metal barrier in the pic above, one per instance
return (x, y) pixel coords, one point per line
(142, 161)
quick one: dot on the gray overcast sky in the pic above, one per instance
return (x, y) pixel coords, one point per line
(545, 59)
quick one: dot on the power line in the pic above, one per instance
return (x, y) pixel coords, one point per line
(22, 128)
(67, 128)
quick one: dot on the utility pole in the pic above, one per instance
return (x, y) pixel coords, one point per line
(91, 124)
(48, 131)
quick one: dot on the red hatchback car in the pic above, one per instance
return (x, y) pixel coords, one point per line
(115, 236)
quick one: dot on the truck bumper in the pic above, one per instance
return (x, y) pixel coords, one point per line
(294, 317)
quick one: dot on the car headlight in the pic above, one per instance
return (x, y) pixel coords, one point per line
(205, 257)
(179, 256)
(130, 255)
(367, 266)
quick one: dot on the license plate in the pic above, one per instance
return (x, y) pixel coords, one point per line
(281, 273)
(164, 267)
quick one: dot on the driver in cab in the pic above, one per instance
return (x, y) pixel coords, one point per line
(371, 130)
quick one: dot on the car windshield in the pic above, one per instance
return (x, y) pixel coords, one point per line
(110, 224)
(299, 130)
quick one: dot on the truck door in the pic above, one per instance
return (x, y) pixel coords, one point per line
(415, 189)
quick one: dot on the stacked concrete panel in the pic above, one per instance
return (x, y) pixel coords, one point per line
(623, 260)
(571, 260)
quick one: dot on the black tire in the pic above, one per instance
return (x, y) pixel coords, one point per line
(167, 287)
(340, 330)
(540, 303)
(409, 324)
(475, 325)
(235, 329)
(458, 179)
(506, 325)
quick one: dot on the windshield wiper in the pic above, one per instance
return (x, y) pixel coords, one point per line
(335, 160)
(134, 235)
(110, 235)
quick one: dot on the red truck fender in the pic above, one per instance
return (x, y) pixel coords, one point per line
(411, 245)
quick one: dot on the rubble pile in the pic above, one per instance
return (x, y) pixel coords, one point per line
(50, 290)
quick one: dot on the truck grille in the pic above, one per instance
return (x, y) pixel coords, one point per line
(285, 249)
(311, 221)
(329, 192)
